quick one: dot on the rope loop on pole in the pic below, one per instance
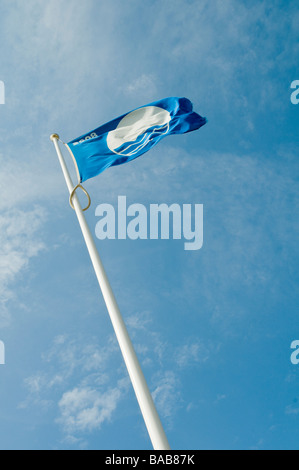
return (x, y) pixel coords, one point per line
(85, 192)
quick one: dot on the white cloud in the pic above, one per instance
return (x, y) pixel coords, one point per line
(166, 395)
(84, 409)
(149, 344)
(220, 398)
(192, 353)
(143, 86)
(19, 242)
(92, 401)
(30, 181)
(35, 386)
(292, 409)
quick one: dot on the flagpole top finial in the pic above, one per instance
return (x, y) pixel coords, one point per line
(54, 136)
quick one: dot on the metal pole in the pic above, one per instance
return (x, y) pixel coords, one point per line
(145, 400)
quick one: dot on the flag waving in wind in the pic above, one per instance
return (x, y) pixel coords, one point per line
(114, 143)
(129, 136)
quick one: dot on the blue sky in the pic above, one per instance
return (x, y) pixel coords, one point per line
(213, 327)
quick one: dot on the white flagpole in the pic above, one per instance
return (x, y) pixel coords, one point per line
(145, 400)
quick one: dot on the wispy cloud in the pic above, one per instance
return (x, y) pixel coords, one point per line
(84, 409)
(191, 353)
(76, 381)
(143, 86)
(19, 242)
(149, 343)
(292, 409)
(167, 395)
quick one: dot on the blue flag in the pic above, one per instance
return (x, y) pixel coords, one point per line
(129, 136)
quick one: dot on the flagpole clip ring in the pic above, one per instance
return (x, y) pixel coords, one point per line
(85, 192)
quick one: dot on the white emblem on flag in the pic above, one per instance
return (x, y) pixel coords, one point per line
(137, 129)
